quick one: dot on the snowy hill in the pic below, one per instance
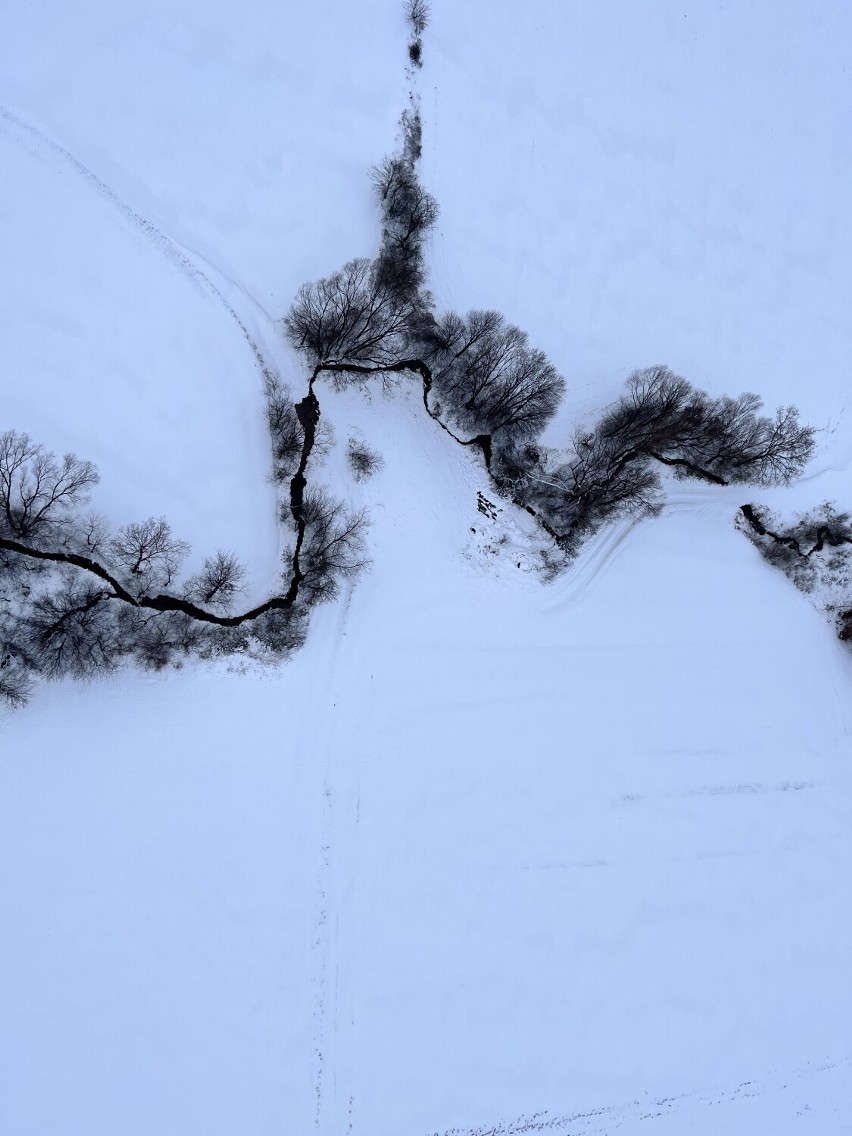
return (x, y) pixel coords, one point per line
(488, 855)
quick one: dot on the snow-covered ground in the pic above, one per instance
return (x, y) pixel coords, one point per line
(487, 854)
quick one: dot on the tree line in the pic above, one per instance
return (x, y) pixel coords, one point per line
(486, 384)
(79, 596)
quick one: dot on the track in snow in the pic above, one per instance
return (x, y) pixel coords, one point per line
(174, 252)
(684, 1108)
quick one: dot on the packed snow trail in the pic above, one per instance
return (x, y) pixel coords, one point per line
(183, 259)
(706, 1111)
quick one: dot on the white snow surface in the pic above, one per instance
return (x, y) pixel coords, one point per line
(488, 855)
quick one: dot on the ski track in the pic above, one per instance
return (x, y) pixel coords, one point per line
(182, 258)
(340, 825)
(600, 552)
(843, 459)
(338, 833)
(609, 1119)
(606, 546)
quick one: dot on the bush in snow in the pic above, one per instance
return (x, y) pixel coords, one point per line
(814, 551)
(363, 461)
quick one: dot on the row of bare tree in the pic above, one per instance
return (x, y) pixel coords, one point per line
(484, 380)
(78, 597)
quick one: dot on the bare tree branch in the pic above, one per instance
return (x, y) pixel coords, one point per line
(147, 553)
(39, 491)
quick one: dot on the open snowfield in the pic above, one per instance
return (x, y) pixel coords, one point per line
(488, 855)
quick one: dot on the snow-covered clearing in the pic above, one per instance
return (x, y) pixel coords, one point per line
(487, 855)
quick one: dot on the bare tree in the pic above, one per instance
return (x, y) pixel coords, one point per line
(288, 437)
(159, 640)
(281, 631)
(16, 682)
(349, 317)
(489, 380)
(333, 548)
(71, 630)
(417, 13)
(662, 418)
(90, 535)
(754, 449)
(408, 213)
(147, 553)
(722, 440)
(408, 210)
(39, 491)
(218, 583)
(593, 487)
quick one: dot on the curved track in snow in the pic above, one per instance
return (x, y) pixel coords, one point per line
(182, 258)
(686, 1110)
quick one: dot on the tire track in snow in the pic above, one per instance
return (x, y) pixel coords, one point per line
(609, 1119)
(592, 562)
(340, 807)
(842, 459)
(604, 548)
(177, 254)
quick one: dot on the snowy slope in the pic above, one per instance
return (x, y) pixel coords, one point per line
(487, 854)
(119, 345)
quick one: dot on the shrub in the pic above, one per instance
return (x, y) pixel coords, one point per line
(363, 461)
(814, 551)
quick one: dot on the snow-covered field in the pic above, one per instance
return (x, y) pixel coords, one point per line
(487, 855)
